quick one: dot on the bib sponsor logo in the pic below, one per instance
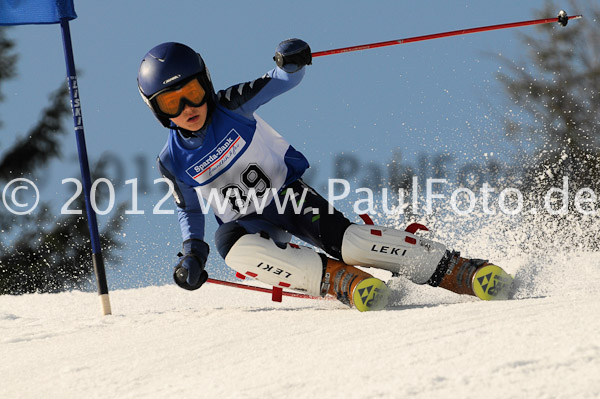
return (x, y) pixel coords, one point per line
(218, 158)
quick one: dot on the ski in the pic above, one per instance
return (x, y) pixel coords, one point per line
(491, 283)
(371, 294)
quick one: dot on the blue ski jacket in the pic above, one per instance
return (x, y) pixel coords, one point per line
(236, 152)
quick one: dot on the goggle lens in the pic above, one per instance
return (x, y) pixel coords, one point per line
(171, 102)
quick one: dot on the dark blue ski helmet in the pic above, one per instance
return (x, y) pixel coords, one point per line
(169, 66)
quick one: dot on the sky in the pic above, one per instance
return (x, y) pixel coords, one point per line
(420, 99)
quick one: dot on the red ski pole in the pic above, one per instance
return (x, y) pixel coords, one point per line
(274, 291)
(562, 19)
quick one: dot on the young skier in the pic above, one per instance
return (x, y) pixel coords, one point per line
(220, 150)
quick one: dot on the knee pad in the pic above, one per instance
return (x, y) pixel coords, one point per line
(332, 227)
(292, 266)
(411, 256)
(226, 235)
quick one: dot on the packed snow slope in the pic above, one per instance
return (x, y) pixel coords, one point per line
(221, 342)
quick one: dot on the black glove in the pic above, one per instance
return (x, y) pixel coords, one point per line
(292, 54)
(189, 273)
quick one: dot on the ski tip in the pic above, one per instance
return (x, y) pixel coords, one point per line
(371, 294)
(492, 283)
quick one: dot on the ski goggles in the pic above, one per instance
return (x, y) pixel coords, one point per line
(172, 102)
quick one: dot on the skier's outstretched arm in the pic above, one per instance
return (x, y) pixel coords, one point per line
(245, 98)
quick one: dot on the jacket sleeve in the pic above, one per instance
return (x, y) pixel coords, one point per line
(190, 213)
(245, 98)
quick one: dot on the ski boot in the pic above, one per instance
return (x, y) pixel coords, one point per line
(475, 277)
(354, 287)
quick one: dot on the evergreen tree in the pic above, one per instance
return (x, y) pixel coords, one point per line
(42, 252)
(557, 91)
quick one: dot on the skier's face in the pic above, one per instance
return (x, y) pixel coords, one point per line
(191, 118)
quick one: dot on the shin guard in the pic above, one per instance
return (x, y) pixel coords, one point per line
(411, 256)
(294, 267)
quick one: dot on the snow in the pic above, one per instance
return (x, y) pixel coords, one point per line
(222, 342)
